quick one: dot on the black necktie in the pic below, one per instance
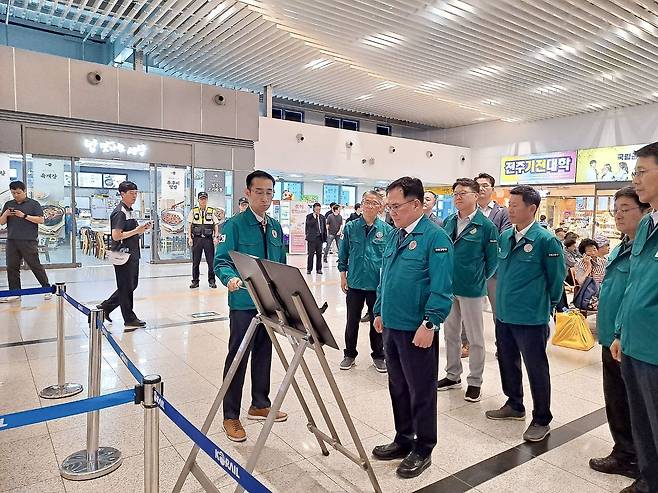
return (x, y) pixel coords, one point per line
(513, 240)
(402, 235)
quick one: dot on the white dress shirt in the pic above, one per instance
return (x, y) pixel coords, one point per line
(462, 223)
(488, 209)
(409, 229)
(520, 234)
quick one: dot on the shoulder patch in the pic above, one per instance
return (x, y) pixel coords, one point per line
(553, 254)
(493, 240)
(440, 250)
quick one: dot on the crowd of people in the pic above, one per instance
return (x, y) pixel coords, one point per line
(395, 244)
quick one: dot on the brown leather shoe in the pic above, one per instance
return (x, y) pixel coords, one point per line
(261, 414)
(234, 430)
(465, 350)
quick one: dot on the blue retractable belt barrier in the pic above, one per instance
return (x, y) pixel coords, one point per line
(26, 292)
(76, 304)
(235, 470)
(117, 349)
(33, 416)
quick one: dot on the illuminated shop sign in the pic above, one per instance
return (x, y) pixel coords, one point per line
(553, 167)
(95, 146)
(606, 164)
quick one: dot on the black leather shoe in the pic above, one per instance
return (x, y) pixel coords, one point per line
(639, 486)
(615, 465)
(413, 464)
(212, 284)
(319, 272)
(390, 452)
(135, 323)
(106, 315)
(194, 285)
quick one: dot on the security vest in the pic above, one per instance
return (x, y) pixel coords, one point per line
(202, 222)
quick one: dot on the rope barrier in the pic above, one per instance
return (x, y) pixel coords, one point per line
(76, 304)
(228, 464)
(39, 415)
(122, 355)
(26, 292)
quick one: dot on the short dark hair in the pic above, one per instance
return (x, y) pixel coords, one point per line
(17, 185)
(335, 208)
(569, 241)
(648, 151)
(259, 174)
(529, 194)
(587, 242)
(357, 206)
(333, 204)
(630, 193)
(593, 161)
(488, 177)
(317, 204)
(542, 217)
(571, 234)
(560, 230)
(411, 187)
(467, 182)
(126, 186)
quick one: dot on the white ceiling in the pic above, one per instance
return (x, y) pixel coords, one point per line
(443, 63)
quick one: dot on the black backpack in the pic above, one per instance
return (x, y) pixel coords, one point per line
(587, 297)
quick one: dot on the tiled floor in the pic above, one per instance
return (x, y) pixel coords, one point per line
(189, 354)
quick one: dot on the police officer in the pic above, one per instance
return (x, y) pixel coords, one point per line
(203, 236)
(637, 327)
(413, 298)
(359, 264)
(254, 233)
(530, 275)
(476, 258)
(243, 204)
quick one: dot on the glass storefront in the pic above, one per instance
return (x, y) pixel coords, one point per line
(11, 169)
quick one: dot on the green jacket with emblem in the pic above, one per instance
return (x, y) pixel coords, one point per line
(243, 233)
(416, 280)
(611, 292)
(638, 317)
(530, 276)
(360, 255)
(476, 254)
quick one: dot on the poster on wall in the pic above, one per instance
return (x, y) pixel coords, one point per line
(172, 184)
(298, 212)
(47, 180)
(606, 164)
(552, 167)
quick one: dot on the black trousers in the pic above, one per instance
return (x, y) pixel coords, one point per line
(355, 300)
(527, 341)
(641, 381)
(412, 375)
(616, 408)
(127, 276)
(28, 250)
(260, 349)
(314, 249)
(203, 246)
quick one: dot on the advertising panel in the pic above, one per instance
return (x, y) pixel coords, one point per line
(298, 212)
(536, 169)
(606, 164)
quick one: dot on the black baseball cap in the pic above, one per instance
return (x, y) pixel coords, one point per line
(243, 200)
(203, 195)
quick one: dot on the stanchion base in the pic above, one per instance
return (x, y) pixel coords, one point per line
(61, 391)
(76, 467)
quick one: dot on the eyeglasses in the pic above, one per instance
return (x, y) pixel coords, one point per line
(640, 173)
(461, 195)
(396, 207)
(371, 203)
(260, 192)
(623, 212)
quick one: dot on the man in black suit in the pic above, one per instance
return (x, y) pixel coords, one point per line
(316, 235)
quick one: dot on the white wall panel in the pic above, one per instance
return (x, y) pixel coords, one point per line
(42, 83)
(7, 101)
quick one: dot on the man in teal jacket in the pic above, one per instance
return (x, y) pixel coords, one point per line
(413, 298)
(476, 257)
(628, 212)
(531, 271)
(637, 324)
(359, 264)
(254, 233)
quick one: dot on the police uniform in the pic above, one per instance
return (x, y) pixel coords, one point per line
(637, 325)
(360, 255)
(416, 285)
(203, 223)
(531, 271)
(244, 233)
(476, 259)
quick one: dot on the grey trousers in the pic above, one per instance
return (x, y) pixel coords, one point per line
(468, 311)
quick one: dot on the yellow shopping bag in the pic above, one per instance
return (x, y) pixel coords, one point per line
(572, 331)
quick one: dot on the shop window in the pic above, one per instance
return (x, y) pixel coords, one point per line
(350, 125)
(277, 113)
(383, 129)
(330, 193)
(293, 116)
(347, 195)
(295, 188)
(330, 121)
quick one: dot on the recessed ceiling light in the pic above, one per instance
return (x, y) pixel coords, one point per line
(293, 175)
(358, 183)
(318, 181)
(342, 179)
(364, 97)
(318, 64)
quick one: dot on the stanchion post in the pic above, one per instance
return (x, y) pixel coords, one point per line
(152, 383)
(62, 389)
(94, 461)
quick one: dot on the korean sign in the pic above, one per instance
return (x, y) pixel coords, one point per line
(606, 164)
(554, 167)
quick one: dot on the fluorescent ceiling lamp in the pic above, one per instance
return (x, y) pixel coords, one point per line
(318, 63)
(216, 11)
(364, 97)
(433, 85)
(293, 175)
(342, 179)
(490, 102)
(386, 85)
(318, 181)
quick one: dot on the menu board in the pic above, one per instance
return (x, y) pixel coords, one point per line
(113, 181)
(552, 167)
(90, 180)
(606, 164)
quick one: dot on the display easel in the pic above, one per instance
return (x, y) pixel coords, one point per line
(285, 307)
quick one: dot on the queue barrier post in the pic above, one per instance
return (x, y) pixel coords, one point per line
(152, 384)
(62, 389)
(94, 461)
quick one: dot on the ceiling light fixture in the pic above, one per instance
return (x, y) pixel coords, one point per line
(318, 63)
(364, 97)
(433, 85)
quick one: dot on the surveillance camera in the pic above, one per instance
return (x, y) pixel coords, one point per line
(219, 100)
(349, 143)
(300, 138)
(429, 154)
(94, 78)
(391, 149)
(364, 161)
(463, 158)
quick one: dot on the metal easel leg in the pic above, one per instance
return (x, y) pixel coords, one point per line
(191, 459)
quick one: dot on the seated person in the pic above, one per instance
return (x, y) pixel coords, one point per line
(591, 265)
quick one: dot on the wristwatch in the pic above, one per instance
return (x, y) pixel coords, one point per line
(427, 324)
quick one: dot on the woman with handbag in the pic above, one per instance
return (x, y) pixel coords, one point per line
(628, 212)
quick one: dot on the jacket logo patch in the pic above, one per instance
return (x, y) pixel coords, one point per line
(440, 250)
(222, 238)
(413, 245)
(274, 233)
(379, 235)
(553, 254)
(493, 241)
(473, 231)
(527, 248)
